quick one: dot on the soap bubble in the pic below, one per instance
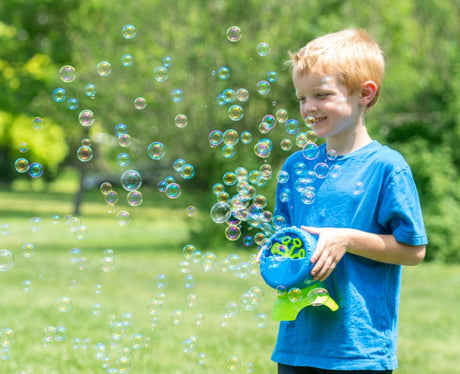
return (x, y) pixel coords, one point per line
(177, 317)
(90, 90)
(21, 165)
(215, 138)
(123, 159)
(123, 218)
(177, 95)
(223, 72)
(131, 180)
(85, 154)
(23, 147)
(292, 126)
(335, 171)
(263, 87)
(263, 49)
(221, 212)
(233, 232)
(35, 170)
(127, 60)
(7, 337)
(179, 164)
(104, 68)
(64, 304)
(72, 104)
(105, 187)
(310, 151)
(120, 129)
(331, 154)
(135, 198)
(209, 261)
(310, 121)
(286, 144)
(156, 150)
(233, 363)
(166, 61)
(261, 320)
(181, 120)
(86, 117)
(107, 264)
(242, 94)
(111, 198)
(234, 34)
(160, 73)
(294, 294)
(67, 73)
(358, 188)
(37, 123)
(128, 31)
(235, 112)
(230, 137)
(124, 140)
(173, 190)
(6, 260)
(263, 148)
(59, 95)
(28, 250)
(188, 171)
(321, 170)
(140, 103)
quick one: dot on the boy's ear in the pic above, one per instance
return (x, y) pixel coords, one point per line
(368, 90)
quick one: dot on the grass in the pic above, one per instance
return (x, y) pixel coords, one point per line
(156, 340)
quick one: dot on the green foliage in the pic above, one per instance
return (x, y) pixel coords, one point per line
(417, 113)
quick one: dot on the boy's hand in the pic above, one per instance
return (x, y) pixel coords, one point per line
(331, 246)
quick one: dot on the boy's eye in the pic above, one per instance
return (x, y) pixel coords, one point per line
(301, 99)
(322, 94)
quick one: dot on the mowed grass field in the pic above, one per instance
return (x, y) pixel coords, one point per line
(157, 311)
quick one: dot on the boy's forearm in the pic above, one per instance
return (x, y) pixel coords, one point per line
(384, 248)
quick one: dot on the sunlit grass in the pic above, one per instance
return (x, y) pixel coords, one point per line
(151, 245)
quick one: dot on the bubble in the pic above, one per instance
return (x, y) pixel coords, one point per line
(261, 320)
(140, 103)
(23, 147)
(215, 138)
(235, 112)
(104, 68)
(234, 34)
(127, 60)
(310, 151)
(86, 117)
(263, 49)
(335, 171)
(6, 260)
(191, 211)
(21, 165)
(321, 170)
(292, 126)
(188, 250)
(64, 304)
(123, 218)
(67, 73)
(223, 72)
(90, 90)
(59, 95)
(105, 188)
(311, 136)
(28, 250)
(166, 61)
(123, 159)
(120, 129)
(85, 153)
(156, 150)
(209, 261)
(294, 294)
(131, 180)
(358, 188)
(188, 171)
(37, 123)
(160, 73)
(246, 137)
(272, 76)
(7, 337)
(135, 198)
(181, 120)
(229, 178)
(173, 190)
(124, 140)
(26, 285)
(233, 232)
(263, 87)
(35, 170)
(72, 104)
(177, 317)
(128, 31)
(263, 148)
(229, 95)
(177, 95)
(179, 164)
(111, 198)
(310, 121)
(107, 264)
(218, 188)
(308, 195)
(230, 137)
(331, 154)
(286, 144)
(242, 94)
(221, 212)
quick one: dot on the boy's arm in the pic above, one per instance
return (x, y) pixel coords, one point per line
(334, 242)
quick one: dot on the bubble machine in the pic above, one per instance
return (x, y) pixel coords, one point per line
(285, 265)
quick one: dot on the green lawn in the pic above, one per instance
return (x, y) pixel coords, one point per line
(190, 331)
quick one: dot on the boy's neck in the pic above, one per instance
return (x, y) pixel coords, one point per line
(348, 142)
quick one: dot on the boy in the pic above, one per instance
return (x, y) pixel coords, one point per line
(362, 203)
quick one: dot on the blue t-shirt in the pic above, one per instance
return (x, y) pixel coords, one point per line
(370, 189)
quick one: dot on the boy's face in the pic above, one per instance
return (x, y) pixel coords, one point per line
(336, 111)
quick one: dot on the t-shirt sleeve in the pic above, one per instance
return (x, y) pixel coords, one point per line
(400, 210)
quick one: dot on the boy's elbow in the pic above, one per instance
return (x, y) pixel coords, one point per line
(417, 256)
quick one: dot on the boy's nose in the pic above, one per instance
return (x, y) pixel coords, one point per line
(307, 109)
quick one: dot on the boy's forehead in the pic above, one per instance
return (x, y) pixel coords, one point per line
(313, 78)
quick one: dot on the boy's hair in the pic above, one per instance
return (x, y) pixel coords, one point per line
(350, 55)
